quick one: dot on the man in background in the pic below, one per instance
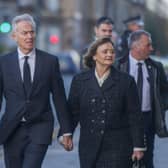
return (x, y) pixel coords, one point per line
(132, 24)
(152, 87)
(103, 28)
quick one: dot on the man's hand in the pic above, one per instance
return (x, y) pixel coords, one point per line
(67, 142)
(138, 155)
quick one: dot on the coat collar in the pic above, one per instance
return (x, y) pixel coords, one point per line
(108, 83)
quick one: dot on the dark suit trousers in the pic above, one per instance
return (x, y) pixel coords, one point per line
(150, 135)
(21, 152)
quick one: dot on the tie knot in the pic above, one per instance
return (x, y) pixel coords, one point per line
(139, 64)
(26, 57)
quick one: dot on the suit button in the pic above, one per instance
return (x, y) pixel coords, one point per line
(103, 101)
(102, 132)
(102, 121)
(93, 121)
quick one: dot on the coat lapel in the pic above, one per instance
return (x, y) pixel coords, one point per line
(111, 80)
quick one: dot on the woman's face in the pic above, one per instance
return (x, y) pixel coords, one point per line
(105, 55)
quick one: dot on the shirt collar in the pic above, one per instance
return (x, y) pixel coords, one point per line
(103, 78)
(22, 55)
(134, 61)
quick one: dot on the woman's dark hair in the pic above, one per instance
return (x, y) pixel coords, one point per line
(88, 57)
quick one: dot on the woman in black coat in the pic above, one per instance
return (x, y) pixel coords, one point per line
(105, 103)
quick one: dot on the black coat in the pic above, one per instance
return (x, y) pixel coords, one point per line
(158, 89)
(47, 80)
(109, 118)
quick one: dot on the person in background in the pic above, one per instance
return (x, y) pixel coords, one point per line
(105, 103)
(27, 78)
(103, 28)
(132, 24)
(152, 87)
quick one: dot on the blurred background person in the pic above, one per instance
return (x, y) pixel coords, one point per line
(152, 87)
(132, 24)
(103, 28)
(105, 103)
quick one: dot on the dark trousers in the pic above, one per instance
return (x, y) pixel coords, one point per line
(21, 152)
(150, 135)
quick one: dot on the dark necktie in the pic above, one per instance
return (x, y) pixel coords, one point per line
(140, 81)
(26, 76)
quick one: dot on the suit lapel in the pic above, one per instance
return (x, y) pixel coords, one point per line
(15, 69)
(38, 70)
(125, 66)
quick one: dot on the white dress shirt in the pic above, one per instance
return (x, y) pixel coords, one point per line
(31, 61)
(146, 100)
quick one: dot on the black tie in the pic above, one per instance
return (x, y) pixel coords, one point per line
(140, 81)
(26, 76)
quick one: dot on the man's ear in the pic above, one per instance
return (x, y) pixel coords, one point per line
(95, 30)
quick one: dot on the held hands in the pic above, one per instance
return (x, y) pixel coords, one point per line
(137, 155)
(67, 142)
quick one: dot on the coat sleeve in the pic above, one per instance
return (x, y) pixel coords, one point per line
(59, 98)
(74, 102)
(134, 115)
(163, 85)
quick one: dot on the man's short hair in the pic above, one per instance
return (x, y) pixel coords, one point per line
(104, 20)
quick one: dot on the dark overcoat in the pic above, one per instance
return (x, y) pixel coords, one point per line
(158, 89)
(109, 116)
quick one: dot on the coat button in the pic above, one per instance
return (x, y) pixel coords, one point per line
(93, 100)
(102, 131)
(103, 111)
(102, 121)
(103, 101)
(93, 121)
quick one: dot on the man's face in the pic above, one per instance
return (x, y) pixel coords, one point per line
(144, 47)
(104, 30)
(24, 35)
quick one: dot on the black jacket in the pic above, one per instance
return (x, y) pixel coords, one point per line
(47, 80)
(158, 88)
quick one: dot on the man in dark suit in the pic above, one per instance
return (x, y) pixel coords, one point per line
(27, 77)
(152, 85)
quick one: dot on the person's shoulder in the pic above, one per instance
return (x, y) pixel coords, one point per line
(46, 55)
(154, 63)
(83, 75)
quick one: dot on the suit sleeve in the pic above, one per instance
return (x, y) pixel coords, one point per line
(135, 115)
(74, 102)
(59, 99)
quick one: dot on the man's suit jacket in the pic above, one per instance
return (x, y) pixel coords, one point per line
(158, 89)
(47, 79)
(109, 113)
